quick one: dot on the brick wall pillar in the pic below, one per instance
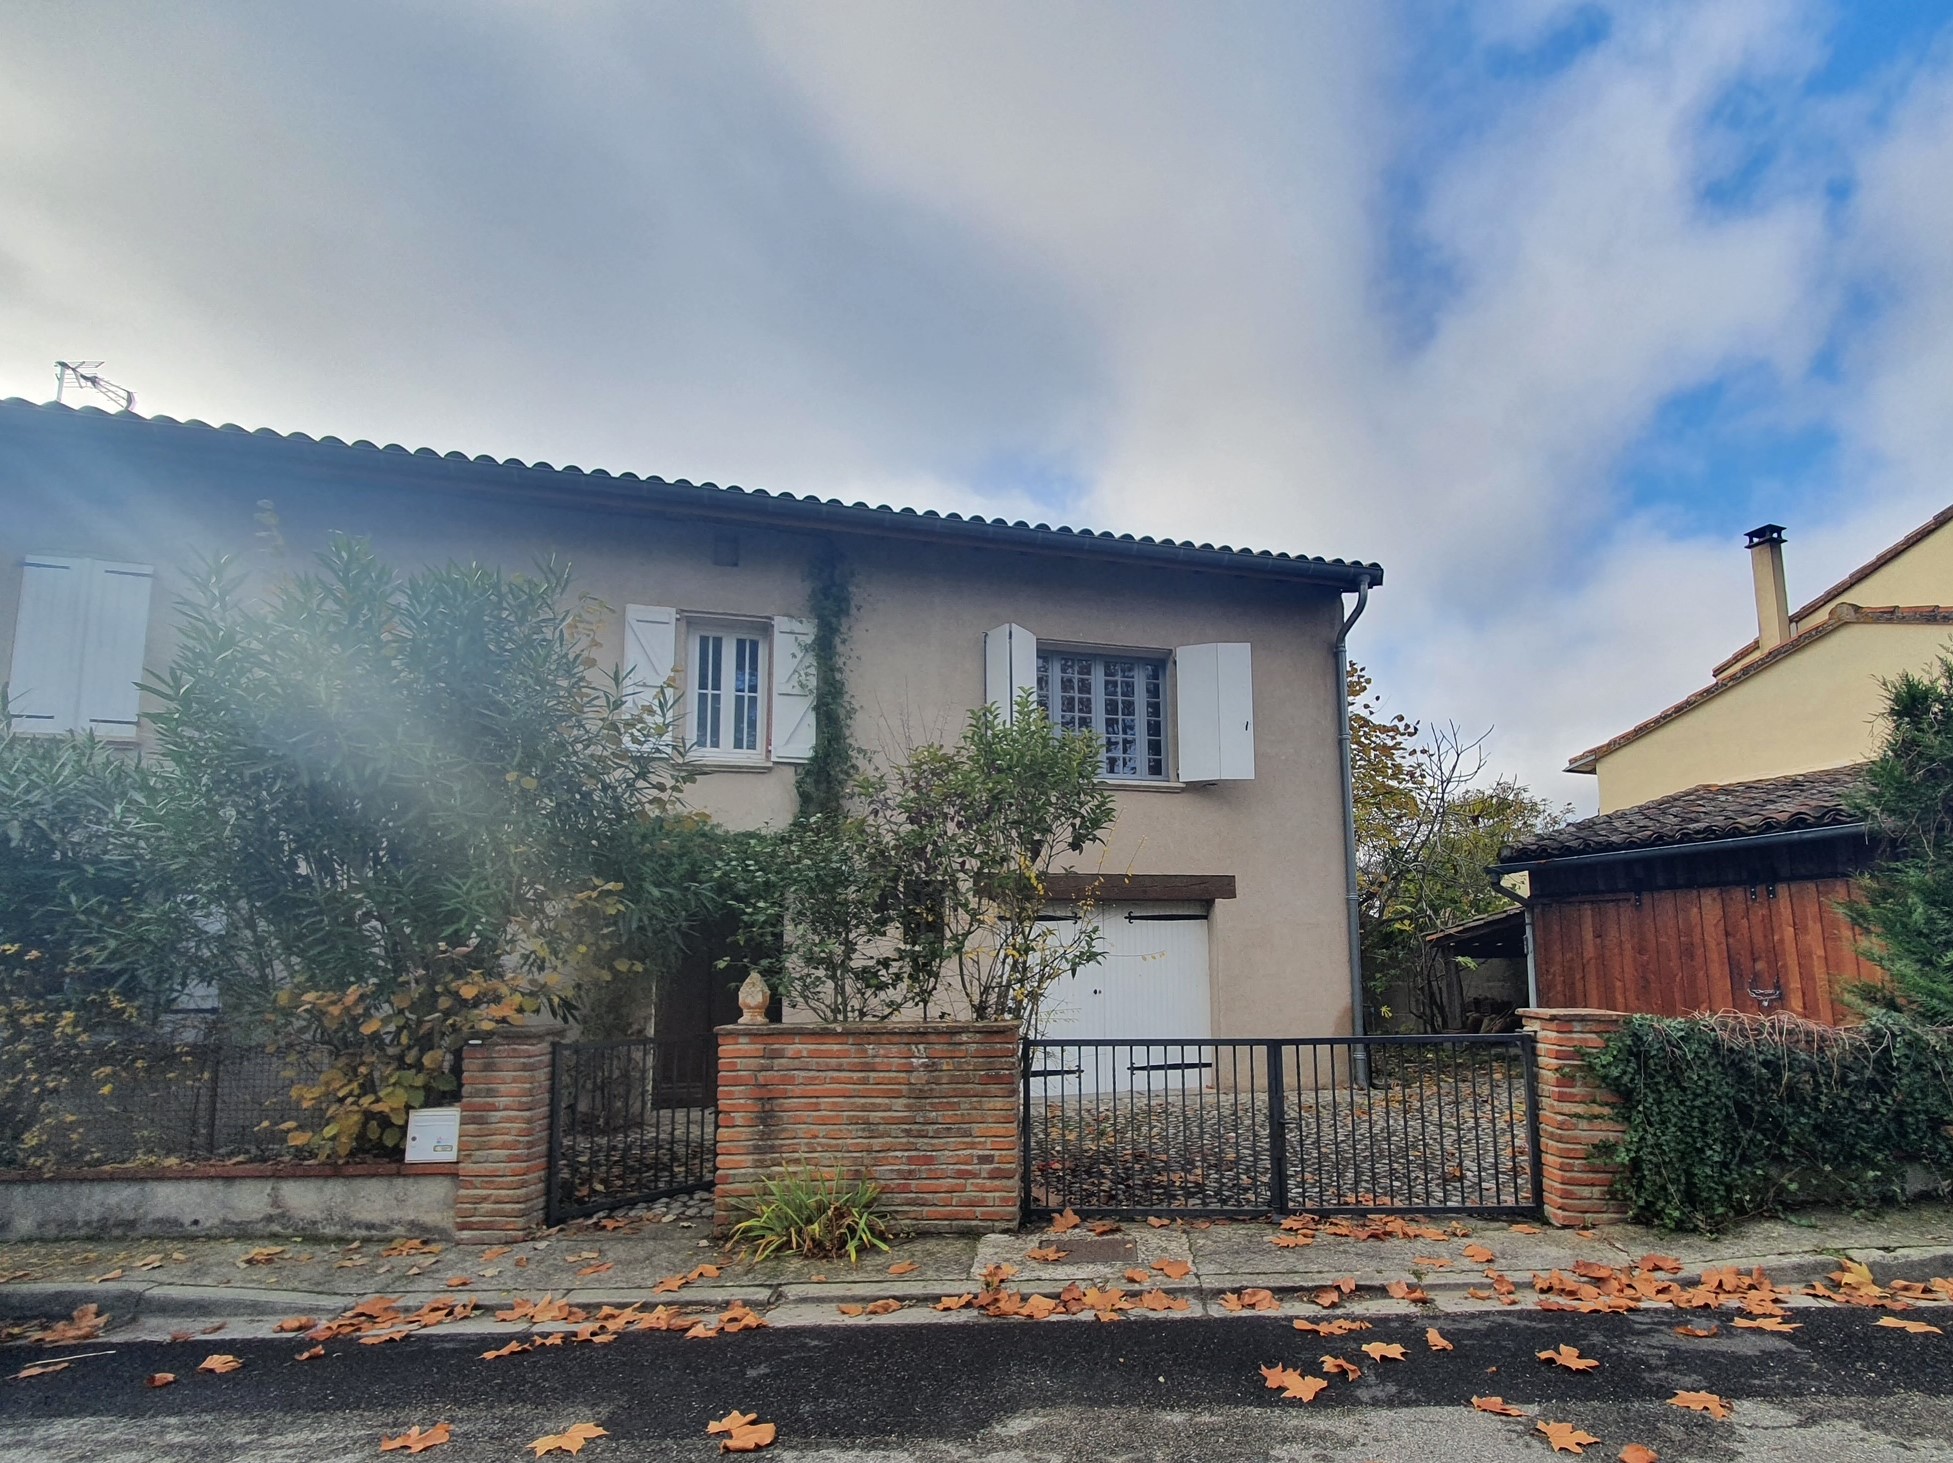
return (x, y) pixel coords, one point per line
(1575, 1112)
(926, 1110)
(504, 1158)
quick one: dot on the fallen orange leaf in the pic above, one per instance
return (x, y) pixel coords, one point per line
(1565, 1437)
(902, 1267)
(1568, 1357)
(1293, 1384)
(161, 1379)
(1335, 1366)
(47, 1368)
(569, 1441)
(1771, 1323)
(587, 1270)
(1636, 1453)
(1383, 1351)
(1707, 1402)
(1479, 1255)
(512, 1349)
(1498, 1406)
(954, 1302)
(1916, 1328)
(1173, 1269)
(219, 1363)
(1153, 1221)
(310, 1354)
(296, 1323)
(415, 1440)
(1065, 1221)
(1404, 1290)
(1049, 1254)
(884, 1307)
(1435, 1341)
(1699, 1331)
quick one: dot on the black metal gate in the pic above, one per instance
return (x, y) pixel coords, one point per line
(1325, 1125)
(631, 1121)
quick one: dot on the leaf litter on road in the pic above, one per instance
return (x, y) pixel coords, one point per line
(417, 1439)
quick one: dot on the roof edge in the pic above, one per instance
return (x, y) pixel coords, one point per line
(630, 489)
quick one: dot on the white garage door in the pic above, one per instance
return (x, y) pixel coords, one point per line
(1152, 982)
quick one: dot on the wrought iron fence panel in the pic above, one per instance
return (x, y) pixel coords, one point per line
(187, 1101)
(631, 1121)
(1319, 1125)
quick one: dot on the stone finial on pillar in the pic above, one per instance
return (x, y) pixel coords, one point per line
(754, 997)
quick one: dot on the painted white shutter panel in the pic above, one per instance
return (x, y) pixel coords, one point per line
(1010, 666)
(44, 682)
(112, 646)
(1215, 722)
(650, 650)
(794, 678)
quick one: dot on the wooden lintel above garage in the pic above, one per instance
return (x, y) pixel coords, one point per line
(1137, 888)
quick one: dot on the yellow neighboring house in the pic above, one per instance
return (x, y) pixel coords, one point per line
(1805, 694)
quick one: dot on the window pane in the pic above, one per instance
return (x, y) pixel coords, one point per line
(1155, 720)
(746, 695)
(1120, 724)
(1075, 693)
(711, 683)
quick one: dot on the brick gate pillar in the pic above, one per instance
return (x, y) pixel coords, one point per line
(1575, 1113)
(504, 1158)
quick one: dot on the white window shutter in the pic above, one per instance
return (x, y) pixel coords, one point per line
(795, 676)
(650, 650)
(1010, 666)
(112, 647)
(1215, 722)
(44, 682)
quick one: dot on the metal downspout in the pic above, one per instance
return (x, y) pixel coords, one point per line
(1350, 894)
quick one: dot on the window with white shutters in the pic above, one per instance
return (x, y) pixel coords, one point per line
(1122, 698)
(78, 647)
(726, 690)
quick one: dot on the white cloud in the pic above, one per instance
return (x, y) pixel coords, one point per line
(871, 249)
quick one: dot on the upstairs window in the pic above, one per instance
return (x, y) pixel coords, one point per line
(1121, 698)
(727, 677)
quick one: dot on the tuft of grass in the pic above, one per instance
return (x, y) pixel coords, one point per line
(821, 1216)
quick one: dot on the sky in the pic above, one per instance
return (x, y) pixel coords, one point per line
(1538, 304)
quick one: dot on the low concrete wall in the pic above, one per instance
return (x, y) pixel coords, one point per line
(231, 1200)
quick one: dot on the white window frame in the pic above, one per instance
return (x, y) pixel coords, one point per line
(1046, 673)
(730, 631)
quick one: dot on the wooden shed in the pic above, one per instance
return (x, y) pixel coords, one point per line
(1719, 897)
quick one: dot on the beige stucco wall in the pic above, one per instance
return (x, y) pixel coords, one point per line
(1279, 962)
(1816, 707)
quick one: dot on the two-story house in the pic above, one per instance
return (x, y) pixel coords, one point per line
(1212, 674)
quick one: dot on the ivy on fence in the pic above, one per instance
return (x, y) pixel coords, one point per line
(1732, 1116)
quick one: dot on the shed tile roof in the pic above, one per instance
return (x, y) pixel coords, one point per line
(730, 501)
(1702, 814)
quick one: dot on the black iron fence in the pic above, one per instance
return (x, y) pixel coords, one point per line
(1322, 1125)
(135, 1100)
(631, 1121)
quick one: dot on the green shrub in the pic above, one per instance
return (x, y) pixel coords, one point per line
(821, 1216)
(1730, 1117)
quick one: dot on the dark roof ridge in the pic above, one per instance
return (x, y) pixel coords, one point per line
(858, 516)
(1708, 812)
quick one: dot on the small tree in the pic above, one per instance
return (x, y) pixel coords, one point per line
(1907, 803)
(929, 892)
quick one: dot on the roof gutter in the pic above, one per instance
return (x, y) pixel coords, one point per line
(1343, 753)
(1714, 845)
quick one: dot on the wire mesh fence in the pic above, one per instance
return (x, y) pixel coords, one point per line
(631, 1121)
(133, 1101)
(1325, 1125)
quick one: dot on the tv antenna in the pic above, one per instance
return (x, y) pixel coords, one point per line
(85, 376)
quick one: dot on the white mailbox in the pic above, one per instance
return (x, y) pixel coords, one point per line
(434, 1135)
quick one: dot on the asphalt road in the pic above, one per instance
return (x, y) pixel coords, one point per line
(1841, 1390)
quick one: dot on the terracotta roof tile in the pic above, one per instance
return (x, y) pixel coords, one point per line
(754, 502)
(1702, 814)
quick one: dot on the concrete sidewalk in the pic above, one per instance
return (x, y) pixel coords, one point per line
(159, 1286)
